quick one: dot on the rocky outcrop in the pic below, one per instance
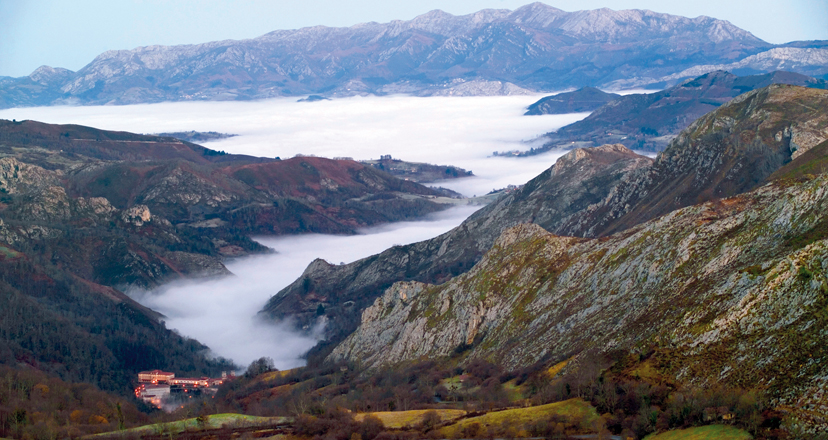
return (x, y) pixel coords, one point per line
(727, 152)
(136, 215)
(18, 177)
(578, 180)
(731, 291)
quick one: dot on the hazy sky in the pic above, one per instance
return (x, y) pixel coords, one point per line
(70, 34)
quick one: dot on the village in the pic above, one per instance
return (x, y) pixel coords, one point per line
(157, 387)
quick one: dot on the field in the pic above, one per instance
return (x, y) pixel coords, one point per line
(572, 409)
(400, 419)
(711, 432)
(214, 421)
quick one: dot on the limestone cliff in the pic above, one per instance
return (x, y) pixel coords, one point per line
(726, 152)
(731, 291)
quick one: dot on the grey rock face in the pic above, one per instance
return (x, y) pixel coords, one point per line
(720, 274)
(579, 179)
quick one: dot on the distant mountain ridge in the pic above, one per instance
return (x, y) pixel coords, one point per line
(648, 122)
(536, 47)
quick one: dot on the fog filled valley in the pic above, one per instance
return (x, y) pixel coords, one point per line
(223, 313)
(462, 132)
(459, 131)
(509, 224)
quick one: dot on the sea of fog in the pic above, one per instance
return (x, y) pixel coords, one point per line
(460, 131)
(222, 313)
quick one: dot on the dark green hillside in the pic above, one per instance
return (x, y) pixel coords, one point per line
(85, 332)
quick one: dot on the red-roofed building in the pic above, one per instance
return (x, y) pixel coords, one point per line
(155, 376)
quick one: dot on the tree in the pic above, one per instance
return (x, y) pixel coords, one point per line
(260, 366)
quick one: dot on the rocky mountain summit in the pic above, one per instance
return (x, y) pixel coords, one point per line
(732, 150)
(536, 47)
(649, 122)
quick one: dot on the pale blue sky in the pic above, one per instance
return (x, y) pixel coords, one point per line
(70, 34)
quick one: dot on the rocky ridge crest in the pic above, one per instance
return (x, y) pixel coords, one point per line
(536, 47)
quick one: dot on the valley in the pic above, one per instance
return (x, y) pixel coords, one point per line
(503, 224)
(465, 285)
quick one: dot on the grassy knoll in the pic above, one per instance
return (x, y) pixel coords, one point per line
(572, 409)
(400, 419)
(214, 421)
(711, 432)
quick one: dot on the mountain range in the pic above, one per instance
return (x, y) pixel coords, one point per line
(712, 256)
(534, 48)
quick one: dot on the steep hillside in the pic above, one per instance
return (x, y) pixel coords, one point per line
(729, 151)
(579, 179)
(650, 121)
(60, 323)
(730, 292)
(535, 47)
(85, 212)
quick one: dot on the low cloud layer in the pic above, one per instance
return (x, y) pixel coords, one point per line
(222, 313)
(460, 131)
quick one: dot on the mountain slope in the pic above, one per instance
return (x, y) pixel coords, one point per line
(732, 292)
(586, 99)
(650, 121)
(536, 47)
(85, 212)
(578, 180)
(729, 151)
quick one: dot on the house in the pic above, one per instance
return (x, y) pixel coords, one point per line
(155, 376)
